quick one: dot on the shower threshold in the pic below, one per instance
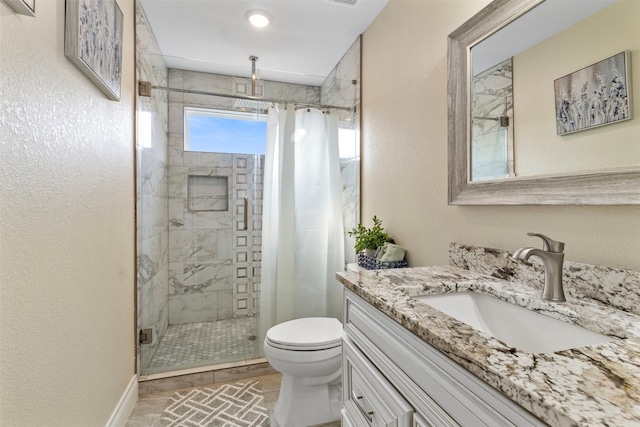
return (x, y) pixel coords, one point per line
(249, 363)
(203, 375)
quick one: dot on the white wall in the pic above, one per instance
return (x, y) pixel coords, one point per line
(404, 157)
(67, 228)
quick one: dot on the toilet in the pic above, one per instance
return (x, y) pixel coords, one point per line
(308, 353)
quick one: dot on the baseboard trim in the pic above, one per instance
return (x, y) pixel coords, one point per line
(125, 406)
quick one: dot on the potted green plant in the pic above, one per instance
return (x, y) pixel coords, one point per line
(370, 239)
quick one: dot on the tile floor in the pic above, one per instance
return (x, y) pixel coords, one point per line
(205, 343)
(149, 407)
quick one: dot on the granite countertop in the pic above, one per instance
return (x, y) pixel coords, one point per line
(589, 386)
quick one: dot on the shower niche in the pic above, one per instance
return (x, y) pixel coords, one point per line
(208, 193)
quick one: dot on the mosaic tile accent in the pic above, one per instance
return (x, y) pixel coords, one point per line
(204, 343)
(248, 179)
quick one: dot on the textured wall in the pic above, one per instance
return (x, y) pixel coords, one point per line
(66, 228)
(404, 156)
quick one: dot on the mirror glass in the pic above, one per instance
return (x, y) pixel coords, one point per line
(522, 125)
(544, 155)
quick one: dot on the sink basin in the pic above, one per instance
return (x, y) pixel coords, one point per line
(516, 326)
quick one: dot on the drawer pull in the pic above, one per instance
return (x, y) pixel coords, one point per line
(367, 414)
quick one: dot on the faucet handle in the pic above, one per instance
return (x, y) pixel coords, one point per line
(549, 244)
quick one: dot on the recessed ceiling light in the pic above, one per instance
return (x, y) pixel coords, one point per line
(258, 18)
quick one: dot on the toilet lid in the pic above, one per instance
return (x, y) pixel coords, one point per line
(311, 333)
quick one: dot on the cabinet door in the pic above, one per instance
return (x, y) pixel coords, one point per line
(420, 421)
(369, 399)
(346, 419)
(440, 390)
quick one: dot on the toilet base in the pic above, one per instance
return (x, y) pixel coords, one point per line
(300, 404)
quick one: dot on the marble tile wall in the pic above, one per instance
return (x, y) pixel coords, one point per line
(202, 265)
(339, 89)
(492, 148)
(214, 263)
(152, 184)
(612, 286)
(200, 251)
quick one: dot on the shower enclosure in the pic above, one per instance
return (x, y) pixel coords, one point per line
(199, 214)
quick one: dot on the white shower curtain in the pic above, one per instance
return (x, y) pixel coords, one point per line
(302, 228)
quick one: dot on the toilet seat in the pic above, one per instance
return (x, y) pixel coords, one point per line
(306, 334)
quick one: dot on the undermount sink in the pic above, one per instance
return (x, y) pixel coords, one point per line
(516, 326)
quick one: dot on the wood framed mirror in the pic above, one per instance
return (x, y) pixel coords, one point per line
(610, 185)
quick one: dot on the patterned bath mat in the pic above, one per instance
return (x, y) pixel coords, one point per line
(231, 405)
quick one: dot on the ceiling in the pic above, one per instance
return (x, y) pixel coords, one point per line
(304, 42)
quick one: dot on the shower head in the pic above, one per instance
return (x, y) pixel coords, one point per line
(250, 105)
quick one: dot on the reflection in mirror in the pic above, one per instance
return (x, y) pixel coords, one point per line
(504, 147)
(491, 119)
(513, 128)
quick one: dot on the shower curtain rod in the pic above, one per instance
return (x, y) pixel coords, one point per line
(250, 98)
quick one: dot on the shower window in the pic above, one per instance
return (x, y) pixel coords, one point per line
(220, 131)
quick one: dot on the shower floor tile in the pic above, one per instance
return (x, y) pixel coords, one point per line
(195, 344)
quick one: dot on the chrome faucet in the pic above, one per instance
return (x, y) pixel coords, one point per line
(552, 258)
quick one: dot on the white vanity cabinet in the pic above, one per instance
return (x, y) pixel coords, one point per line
(370, 399)
(393, 378)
